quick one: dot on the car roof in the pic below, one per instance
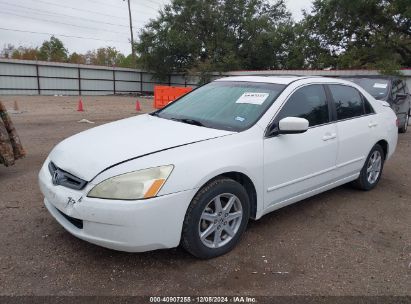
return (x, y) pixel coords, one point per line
(384, 77)
(266, 79)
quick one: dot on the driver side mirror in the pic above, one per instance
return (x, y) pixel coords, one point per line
(289, 125)
(293, 125)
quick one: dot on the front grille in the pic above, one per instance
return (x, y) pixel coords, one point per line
(76, 222)
(63, 178)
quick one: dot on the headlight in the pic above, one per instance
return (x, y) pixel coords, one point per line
(134, 185)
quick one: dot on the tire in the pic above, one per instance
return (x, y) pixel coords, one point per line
(404, 127)
(204, 218)
(366, 181)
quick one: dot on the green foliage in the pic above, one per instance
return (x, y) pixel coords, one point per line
(219, 35)
(364, 33)
(77, 58)
(125, 61)
(213, 35)
(24, 53)
(53, 50)
(202, 37)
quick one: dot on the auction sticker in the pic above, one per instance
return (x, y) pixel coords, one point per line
(253, 98)
(380, 85)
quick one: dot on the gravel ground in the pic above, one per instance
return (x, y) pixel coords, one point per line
(342, 242)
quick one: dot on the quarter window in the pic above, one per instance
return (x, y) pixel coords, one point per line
(367, 107)
(348, 101)
(309, 102)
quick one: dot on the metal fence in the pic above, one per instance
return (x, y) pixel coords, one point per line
(22, 77)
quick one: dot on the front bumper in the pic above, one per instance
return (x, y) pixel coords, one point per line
(132, 226)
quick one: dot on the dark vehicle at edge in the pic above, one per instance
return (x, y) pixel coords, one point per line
(391, 89)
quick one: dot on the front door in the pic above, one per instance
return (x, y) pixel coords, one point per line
(295, 164)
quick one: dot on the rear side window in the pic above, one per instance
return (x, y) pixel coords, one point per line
(309, 102)
(348, 101)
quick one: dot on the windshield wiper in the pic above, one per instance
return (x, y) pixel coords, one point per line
(189, 121)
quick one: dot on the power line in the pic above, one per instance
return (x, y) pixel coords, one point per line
(78, 9)
(59, 22)
(104, 3)
(143, 4)
(71, 16)
(62, 35)
(50, 13)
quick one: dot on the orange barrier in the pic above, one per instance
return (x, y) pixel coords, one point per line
(163, 95)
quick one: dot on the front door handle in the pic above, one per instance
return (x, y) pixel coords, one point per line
(329, 136)
(372, 124)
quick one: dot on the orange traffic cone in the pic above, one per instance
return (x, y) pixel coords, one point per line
(80, 106)
(138, 106)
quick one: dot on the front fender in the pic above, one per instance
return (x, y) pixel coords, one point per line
(196, 164)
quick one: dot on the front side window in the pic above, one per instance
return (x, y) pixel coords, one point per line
(225, 105)
(347, 100)
(309, 102)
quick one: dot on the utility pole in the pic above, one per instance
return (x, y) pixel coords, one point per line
(133, 53)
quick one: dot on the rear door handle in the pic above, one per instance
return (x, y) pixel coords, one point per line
(372, 124)
(329, 136)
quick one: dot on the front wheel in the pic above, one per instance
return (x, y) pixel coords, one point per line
(371, 172)
(216, 219)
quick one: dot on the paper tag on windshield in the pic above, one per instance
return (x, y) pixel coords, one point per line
(253, 98)
(380, 85)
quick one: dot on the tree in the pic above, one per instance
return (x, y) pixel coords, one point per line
(77, 58)
(125, 61)
(53, 50)
(25, 53)
(108, 56)
(364, 33)
(212, 35)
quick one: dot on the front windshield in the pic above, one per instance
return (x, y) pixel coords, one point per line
(378, 88)
(225, 105)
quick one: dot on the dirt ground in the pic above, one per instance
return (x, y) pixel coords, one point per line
(342, 242)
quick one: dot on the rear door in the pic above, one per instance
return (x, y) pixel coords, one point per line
(356, 128)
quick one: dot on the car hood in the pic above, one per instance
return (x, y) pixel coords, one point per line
(88, 153)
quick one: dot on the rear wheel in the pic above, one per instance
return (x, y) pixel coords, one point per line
(371, 172)
(216, 219)
(404, 127)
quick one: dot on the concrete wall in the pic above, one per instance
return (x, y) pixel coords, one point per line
(22, 77)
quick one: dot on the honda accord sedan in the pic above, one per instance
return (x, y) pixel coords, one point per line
(195, 172)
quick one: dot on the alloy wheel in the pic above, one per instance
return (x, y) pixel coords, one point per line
(374, 167)
(220, 220)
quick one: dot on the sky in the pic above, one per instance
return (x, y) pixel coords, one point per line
(85, 24)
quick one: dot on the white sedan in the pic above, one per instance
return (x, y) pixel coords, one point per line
(195, 172)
